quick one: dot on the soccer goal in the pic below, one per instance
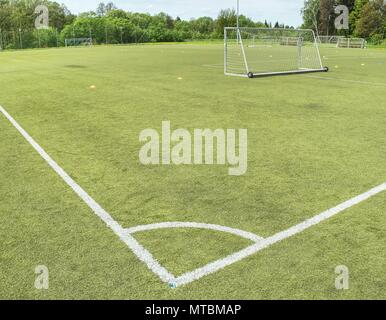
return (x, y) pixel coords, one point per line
(78, 42)
(355, 43)
(329, 39)
(256, 52)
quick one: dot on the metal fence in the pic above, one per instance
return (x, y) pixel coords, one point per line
(46, 38)
(23, 39)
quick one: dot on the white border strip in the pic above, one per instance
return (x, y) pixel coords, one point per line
(194, 225)
(144, 255)
(220, 264)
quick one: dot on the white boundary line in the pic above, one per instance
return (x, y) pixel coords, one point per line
(221, 264)
(194, 225)
(137, 249)
(148, 259)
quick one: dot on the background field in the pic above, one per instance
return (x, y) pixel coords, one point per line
(314, 142)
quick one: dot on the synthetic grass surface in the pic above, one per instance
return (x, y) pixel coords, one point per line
(314, 142)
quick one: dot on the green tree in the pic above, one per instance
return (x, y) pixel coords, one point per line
(5, 15)
(326, 17)
(203, 25)
(246, 22)
(356, 14)
(104, 9)
(372, 21)
(311, 15)
(226, 18)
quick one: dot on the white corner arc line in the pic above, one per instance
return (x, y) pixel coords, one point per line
(193, 225)
(144, 255)
(241, 255)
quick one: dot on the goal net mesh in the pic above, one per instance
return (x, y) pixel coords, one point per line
(78, 42)
(329, 39)
(358, 43)
(270, 51)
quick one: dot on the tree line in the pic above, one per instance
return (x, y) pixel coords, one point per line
(111, 25)
(367, 18)
(107, 24)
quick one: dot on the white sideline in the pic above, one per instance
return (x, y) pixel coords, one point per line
(144, 255)
(194, 225)
(220, 264)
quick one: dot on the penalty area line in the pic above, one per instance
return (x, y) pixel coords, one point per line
(142, 254)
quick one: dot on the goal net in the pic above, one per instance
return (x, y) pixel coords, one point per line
(329, 39)
(356, 43)
(253, 52)
(78, 42)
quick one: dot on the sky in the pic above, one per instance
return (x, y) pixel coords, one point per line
(284, 11)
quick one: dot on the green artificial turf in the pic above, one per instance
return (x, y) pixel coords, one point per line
(314, 141)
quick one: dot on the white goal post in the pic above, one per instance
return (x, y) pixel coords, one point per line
(78, 42)
(355, 43)
(256, 52)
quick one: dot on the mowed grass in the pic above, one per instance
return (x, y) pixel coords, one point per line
(314, 141)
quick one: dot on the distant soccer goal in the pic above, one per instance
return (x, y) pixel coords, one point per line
(329, 39)
(291, 41)
(356, 43)
(255, 52)
(78, 42)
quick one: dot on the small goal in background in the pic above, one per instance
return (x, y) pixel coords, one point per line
(355, 43)
(78, 42)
